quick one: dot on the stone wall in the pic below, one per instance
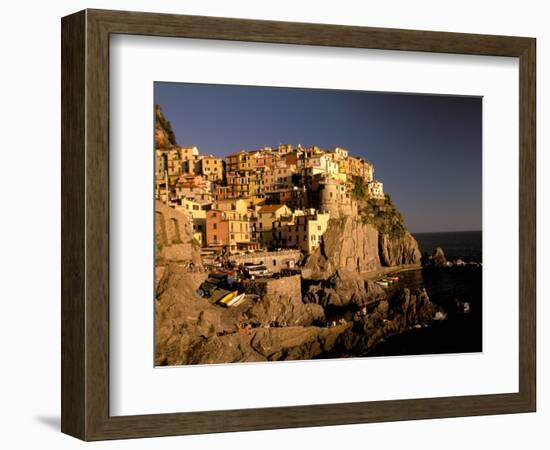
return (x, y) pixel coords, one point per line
(286, 286)
(174, 237)
(274, 261)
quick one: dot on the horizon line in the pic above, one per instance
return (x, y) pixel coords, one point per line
(445, 231)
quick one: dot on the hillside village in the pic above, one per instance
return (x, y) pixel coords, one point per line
(276, 254)
(276, 202)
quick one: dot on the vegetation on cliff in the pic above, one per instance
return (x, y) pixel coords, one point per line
(359, 190)
(383, 215)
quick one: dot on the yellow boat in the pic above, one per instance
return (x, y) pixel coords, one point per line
(222, 294)
(236, 300)
(226, 299)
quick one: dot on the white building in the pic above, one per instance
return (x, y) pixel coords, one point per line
(375, 190)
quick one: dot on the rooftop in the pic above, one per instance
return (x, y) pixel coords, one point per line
(270, 208)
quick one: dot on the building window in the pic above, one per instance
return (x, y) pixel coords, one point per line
(215, 226)
(274, 262)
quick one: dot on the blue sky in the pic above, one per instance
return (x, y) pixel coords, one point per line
(426, 149)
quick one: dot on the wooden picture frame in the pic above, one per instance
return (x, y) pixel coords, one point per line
(85, 224)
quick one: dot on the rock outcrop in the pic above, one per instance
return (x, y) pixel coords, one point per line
(164, 135)
(344, 288)
(275, 326)
(182, 317)
(281, 304)
(438, 258)
(373, 323)
(351, 245)
(174, 237)
(400, 250)
(274, 344)
(348, 244)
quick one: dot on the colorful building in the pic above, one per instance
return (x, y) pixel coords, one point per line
(302, 230)
(266, 216)
(375, 190)
(228, 229)
(236, 204)
(211, 168)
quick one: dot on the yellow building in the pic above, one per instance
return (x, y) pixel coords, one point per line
(341, 153)
(317, 224)
(239, 229)
(360, 168)
(187, 160)
(197, 216)
(303, 230)
(321, 164)
(173, 163)
(211, 168)
(269, 179)
(195, 210)
(267, 215)
(238, 204)
(188, 152)
(282, 175)
(241, 160)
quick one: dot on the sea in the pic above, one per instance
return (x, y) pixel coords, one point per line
(465, 245)
(447, 287)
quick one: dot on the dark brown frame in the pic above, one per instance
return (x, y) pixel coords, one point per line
(85, 224)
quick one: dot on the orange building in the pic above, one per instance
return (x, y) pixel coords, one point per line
(265, 158)
(228, 229)
(217, 230)
(291, 158)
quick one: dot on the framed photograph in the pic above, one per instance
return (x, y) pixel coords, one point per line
(272, 225)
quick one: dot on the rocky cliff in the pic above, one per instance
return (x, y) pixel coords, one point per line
(404, 311)
(348, 244)
(343, 289)
(398, 250)
(275, 324)
(272, 326)
(352, 245)
(164, 135)
(174, 238)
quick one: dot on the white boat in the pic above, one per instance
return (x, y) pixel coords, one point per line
(236, 300)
